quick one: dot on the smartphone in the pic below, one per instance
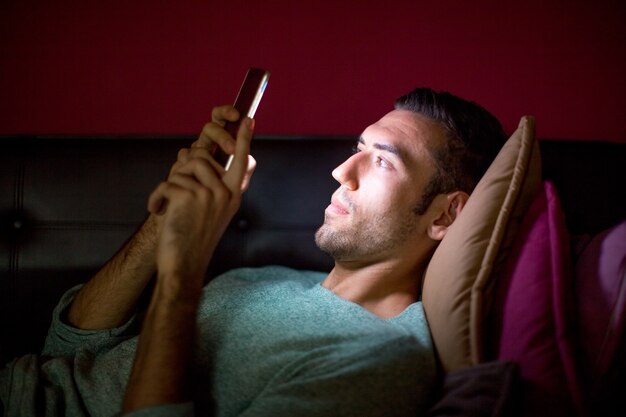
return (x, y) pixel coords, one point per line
(246, 103)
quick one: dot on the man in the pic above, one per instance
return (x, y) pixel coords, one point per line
(270, 341)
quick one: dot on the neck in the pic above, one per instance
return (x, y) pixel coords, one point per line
(385, 288)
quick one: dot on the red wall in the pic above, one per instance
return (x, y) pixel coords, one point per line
(98, 67)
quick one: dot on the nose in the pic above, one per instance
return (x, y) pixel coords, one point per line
(346, 174)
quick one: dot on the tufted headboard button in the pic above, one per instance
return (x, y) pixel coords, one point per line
(243, 225)
(16, 226)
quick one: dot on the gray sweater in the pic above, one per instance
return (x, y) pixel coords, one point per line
(271, 342)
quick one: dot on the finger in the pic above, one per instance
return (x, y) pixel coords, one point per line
(169, 192)
(214, 135)
(183, 156)
(220, 115)
(187, 155)
(223, 114)
(235, 175)
(191, 175)
(187, 180)
(157, 202)
(249, 172)
(199, 171)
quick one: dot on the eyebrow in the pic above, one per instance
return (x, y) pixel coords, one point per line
(386, 147)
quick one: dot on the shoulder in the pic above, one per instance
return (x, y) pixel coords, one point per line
(412, 321)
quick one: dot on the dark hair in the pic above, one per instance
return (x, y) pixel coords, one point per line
(474, 136)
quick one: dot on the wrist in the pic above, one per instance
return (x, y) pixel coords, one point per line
(150, 230)
(178, 289)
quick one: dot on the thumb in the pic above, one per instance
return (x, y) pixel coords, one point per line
(234, 177)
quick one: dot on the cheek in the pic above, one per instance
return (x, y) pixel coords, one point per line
(384, 197)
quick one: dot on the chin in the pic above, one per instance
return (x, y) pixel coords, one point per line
(332, 242)
(320, 236)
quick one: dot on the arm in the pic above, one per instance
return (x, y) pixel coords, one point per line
(109, 299)
(200, 200)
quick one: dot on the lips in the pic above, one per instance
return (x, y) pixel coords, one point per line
(336, 207)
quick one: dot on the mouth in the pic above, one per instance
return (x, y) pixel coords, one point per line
(336, 207)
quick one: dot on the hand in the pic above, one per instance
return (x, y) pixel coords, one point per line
(213, 135)
(199, 198)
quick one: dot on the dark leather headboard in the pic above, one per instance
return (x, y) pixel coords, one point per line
(67, 204)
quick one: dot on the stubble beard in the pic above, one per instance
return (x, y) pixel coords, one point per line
(366, 239)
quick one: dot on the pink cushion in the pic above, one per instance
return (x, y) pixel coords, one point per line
(601, 299)
(534, 310)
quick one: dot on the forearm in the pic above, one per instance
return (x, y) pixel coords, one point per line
(109, 299)
(162, 361)
(197, 202)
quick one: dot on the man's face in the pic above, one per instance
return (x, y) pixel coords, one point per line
(371, 215)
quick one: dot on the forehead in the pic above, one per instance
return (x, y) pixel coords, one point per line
(415, 135)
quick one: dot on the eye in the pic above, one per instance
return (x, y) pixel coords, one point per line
(355, 150)
(382, 163)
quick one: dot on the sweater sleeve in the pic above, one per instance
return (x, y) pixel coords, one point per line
(64, 340)
(391, 378)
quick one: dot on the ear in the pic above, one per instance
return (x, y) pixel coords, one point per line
(447, 209)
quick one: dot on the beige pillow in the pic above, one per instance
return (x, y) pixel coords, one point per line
(457, 280)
